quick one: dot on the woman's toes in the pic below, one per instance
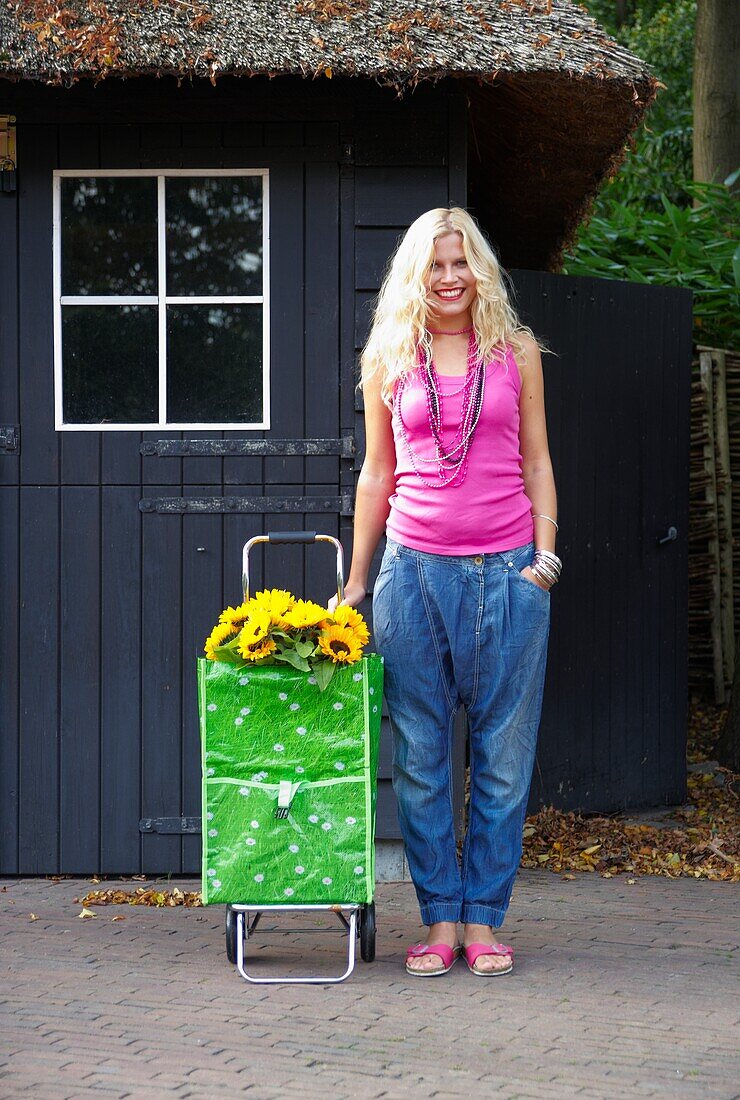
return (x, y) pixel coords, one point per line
(425, 962)
(492, 962)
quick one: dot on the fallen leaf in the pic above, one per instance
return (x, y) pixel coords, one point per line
(86, 914)
(117, 917)
(32, 916)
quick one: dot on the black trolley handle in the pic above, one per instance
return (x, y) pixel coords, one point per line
(293, 536)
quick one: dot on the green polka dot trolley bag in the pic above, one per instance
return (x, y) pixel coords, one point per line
(289, 745)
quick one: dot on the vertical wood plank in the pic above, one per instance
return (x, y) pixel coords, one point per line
(202, 585)
(37, 152)
(161, 654)
(120, 680)
(677, 328)
(283, 563)
(237, 531)
(9, 711)
(321, 298)
(320, 560)
(287, 259)
(347, 364)
(9, 382)
(80, 666)
(38, 680)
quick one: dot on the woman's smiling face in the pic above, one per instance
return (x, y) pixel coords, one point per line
(450, 284)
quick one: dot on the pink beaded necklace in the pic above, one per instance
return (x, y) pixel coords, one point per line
(452, 460)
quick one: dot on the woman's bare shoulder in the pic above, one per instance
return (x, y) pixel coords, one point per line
(526, 352)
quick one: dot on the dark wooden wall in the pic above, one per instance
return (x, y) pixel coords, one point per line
(104, 607)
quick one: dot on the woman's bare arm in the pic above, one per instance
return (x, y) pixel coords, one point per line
(376, 483)
(539, 481)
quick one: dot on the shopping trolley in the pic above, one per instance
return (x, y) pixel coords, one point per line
(289, 791)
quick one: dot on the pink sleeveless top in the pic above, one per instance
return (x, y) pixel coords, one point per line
(489, 511)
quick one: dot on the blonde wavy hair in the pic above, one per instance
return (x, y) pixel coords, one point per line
(400, 318)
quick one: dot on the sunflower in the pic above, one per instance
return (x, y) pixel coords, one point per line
(349, 616)
(276, 602)
(254, 640)
(220, 634)
(304, 614)
(235, 616)
(255, 651)
(341, 644)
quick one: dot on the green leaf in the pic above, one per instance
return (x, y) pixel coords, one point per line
(228, 655)
(304, 649)
(290, 657)
(323, 671)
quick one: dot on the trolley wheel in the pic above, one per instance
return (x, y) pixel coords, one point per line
(367, 932)
(230, 934)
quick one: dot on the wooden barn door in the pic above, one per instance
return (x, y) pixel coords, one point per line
(119, 548)
(613, 732)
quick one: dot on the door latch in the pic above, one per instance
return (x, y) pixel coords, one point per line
(10, 438)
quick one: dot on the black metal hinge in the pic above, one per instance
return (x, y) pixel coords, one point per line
(174, 825)
(10, 438)
(342, 505)
(260, 448)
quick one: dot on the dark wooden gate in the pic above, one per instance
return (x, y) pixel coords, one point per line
(613, 730)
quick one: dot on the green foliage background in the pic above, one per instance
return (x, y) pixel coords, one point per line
(652, 223)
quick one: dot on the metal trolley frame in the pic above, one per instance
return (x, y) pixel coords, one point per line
(242, 920)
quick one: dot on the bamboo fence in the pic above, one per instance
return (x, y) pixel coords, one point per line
(714, 499)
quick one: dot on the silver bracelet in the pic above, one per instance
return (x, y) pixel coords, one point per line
(546, 566)
(540, 516)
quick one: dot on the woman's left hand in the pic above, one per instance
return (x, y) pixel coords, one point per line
(527, 572)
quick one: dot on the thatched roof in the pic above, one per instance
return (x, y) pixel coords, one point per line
(553, 99)
(384, 39)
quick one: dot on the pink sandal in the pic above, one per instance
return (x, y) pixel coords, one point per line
(475, 950)
(447, 954)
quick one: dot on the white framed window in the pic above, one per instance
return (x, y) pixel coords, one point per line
(161, 299)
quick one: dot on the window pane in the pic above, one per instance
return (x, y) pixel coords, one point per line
(214, 235)
(109, 364)
(109, 235)
(214, 364)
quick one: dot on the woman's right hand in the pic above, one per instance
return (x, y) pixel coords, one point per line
(354, 594)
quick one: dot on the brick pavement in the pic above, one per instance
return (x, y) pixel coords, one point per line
(619, 991)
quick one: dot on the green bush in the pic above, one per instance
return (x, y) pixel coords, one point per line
(689, 246)
(652, 223)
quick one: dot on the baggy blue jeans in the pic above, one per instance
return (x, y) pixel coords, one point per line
(467, 630)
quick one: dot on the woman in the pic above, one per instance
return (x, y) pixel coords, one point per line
(457, 473)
